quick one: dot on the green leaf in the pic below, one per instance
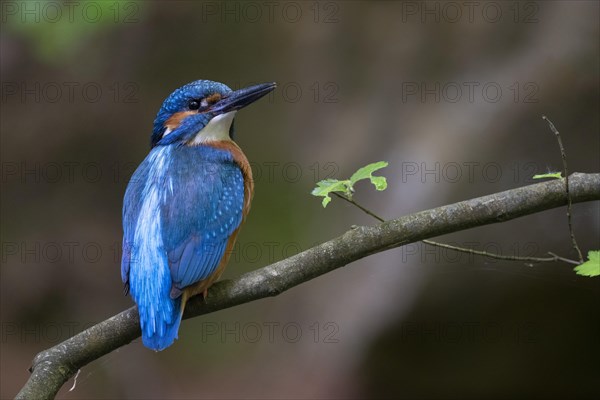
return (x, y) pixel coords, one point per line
(591, 267)
(380, 182)
(346, 187)
(327, 186)
(367, 172)
(551, 175)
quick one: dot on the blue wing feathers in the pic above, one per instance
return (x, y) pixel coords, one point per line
(204, 215)
(178, 214)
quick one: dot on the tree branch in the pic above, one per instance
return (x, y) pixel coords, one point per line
(554, 257)
(53, 367)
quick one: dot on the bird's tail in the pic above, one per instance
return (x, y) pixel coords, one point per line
(160, 326)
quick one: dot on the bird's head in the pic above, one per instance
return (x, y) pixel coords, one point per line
(202, 111)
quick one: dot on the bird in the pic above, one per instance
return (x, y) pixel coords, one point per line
(184, 204)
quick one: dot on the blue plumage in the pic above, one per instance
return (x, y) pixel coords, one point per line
(184, 204)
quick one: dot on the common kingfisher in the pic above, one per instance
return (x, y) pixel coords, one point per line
(184, 204)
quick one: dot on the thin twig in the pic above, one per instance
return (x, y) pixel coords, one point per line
(566, 174)
(464, 249)
(366, 210)
(492, 255)
(567, 260)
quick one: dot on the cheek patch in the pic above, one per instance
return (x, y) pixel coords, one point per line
(175, 120)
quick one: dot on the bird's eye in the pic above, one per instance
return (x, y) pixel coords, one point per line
(194, 105)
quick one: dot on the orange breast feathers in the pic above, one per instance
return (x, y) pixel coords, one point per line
(240, 158)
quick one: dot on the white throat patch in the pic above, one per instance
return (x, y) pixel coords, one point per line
(216, 130)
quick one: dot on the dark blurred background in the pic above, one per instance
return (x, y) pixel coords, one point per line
(450, 93)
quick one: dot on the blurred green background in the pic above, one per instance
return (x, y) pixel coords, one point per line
(450, 93)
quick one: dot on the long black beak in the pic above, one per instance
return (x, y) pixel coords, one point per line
(241, 98)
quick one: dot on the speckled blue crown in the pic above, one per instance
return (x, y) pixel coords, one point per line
(178, 100)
